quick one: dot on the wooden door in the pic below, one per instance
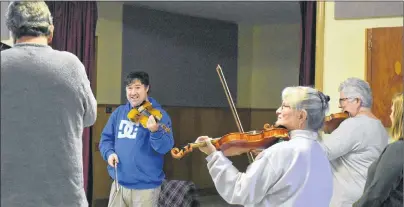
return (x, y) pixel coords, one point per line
(384, 53)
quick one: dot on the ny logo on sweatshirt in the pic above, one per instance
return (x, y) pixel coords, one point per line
(127, 129)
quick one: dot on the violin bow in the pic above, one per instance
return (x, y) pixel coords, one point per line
(232, 106)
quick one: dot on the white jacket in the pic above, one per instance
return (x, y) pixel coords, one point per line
(293, 173)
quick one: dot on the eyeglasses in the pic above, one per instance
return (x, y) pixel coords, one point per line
(284, 106)
(344, 99)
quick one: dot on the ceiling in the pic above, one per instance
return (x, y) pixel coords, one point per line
(251, 12)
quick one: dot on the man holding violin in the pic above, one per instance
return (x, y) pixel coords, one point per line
(135, 151)
(355, 144)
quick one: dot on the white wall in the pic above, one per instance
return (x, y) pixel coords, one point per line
(109, 52)
(344, 49)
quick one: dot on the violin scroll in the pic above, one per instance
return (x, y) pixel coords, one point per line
(180, 153)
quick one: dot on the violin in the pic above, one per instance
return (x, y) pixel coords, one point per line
(238, 142)
(142, 113)
(332, 121)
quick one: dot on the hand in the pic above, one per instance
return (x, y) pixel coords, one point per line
(256, 152)
(152, 124)
(136, 119)
(113, 160)
(209, 148)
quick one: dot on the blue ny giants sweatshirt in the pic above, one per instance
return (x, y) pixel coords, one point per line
(140, 152)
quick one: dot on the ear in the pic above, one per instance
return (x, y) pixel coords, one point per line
(51, 28)
(357, 101)
(50, 37)
(147, 89)
(303, 115)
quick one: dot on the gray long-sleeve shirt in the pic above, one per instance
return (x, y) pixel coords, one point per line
(46, 101)
(351, 149)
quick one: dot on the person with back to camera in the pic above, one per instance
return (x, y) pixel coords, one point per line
(136, 152)
(46, 101)
(355, 144)
(384, 184)
(294, 173)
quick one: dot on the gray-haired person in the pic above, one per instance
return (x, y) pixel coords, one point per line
(46, 101)
(294, 173)
(355, 144)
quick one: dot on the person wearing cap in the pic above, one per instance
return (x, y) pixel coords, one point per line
(46, 101)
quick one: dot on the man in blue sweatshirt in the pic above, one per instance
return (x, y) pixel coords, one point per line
(136, 151)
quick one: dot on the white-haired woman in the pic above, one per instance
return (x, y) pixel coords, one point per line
(355, 144)
(294, 173)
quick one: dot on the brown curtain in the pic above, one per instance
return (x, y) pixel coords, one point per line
(75, 23)
(308, 42)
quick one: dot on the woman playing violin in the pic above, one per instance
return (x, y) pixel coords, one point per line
(294, 173)
(355, 144)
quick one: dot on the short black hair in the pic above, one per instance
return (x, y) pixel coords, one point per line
(143, 77)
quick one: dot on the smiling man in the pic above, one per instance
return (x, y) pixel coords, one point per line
(136, 152)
